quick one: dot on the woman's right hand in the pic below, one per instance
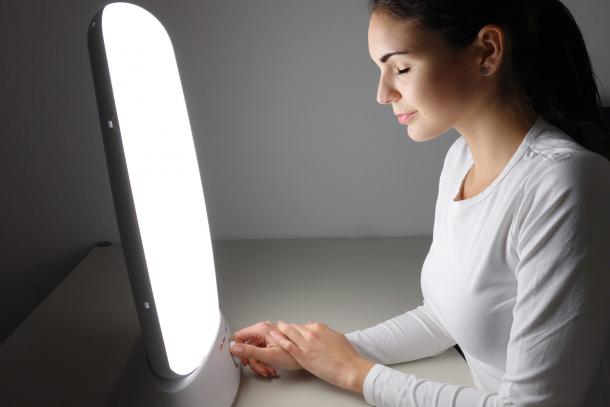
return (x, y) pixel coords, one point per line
(260, 352)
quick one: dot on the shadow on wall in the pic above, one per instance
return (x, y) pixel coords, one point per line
(34, 292)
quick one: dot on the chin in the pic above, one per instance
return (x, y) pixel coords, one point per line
(419, 136)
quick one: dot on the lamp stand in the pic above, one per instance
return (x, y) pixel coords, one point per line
(214, 383)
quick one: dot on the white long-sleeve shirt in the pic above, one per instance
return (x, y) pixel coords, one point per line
(519, 277)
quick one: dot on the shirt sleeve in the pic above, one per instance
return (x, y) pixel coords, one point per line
(561, 322)
(413, 335)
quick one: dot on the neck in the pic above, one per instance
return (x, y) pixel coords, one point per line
(493, 138)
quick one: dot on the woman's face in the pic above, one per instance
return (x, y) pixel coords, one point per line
(436, 83)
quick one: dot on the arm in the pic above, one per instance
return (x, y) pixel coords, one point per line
(561, 321)
(413, 335)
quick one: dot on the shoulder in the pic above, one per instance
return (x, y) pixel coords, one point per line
(562, 182)
(556, 162)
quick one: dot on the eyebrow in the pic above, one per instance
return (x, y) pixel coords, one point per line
(384, 58)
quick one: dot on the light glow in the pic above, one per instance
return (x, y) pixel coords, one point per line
(165, 182)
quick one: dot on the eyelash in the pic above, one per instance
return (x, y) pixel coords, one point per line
(403, 71)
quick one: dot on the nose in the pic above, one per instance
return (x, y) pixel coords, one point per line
(386, 93)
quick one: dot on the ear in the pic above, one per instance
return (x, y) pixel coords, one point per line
(491, 47)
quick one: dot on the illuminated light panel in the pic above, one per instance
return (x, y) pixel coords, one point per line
(165, 182)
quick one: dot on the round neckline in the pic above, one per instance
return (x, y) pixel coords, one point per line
(467, 203)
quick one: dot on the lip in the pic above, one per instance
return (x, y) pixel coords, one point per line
(405, 117)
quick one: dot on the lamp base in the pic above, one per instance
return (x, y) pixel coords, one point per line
(214, 383)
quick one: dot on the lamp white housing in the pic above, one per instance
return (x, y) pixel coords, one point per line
(157, 192)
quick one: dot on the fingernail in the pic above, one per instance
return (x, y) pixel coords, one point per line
(274, 334)
(237, 347)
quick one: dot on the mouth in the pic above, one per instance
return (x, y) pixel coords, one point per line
(405, 117)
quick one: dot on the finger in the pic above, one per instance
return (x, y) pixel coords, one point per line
(268, 368)
(271, 341)
(244, 361)
(294, 332)
(243, 350)
(257, 330)
(303, 329)
(259, 356)
(287, 345)
(257, 370)
(271, 371)
(258, 367)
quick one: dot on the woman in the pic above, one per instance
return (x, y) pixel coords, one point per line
(518, 273)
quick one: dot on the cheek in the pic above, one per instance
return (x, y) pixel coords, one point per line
(440, 98)
(445, 90)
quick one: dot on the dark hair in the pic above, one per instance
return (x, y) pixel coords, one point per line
(546, 57)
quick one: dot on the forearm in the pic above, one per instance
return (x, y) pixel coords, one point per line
(410, 336)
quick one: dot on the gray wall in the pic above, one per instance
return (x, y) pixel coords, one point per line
(281, 96)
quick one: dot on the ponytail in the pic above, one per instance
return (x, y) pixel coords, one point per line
(556, 72)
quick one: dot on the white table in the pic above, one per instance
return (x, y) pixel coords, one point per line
(70, 350)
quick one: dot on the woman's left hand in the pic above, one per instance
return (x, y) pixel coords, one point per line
(325, 353)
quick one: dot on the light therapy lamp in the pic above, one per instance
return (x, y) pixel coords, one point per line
(182, 355)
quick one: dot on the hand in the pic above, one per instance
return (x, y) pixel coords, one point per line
(262, 355)
(325, 353)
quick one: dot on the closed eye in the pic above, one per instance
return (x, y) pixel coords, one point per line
(402, 71)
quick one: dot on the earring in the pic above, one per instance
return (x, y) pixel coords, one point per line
(484, 71)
